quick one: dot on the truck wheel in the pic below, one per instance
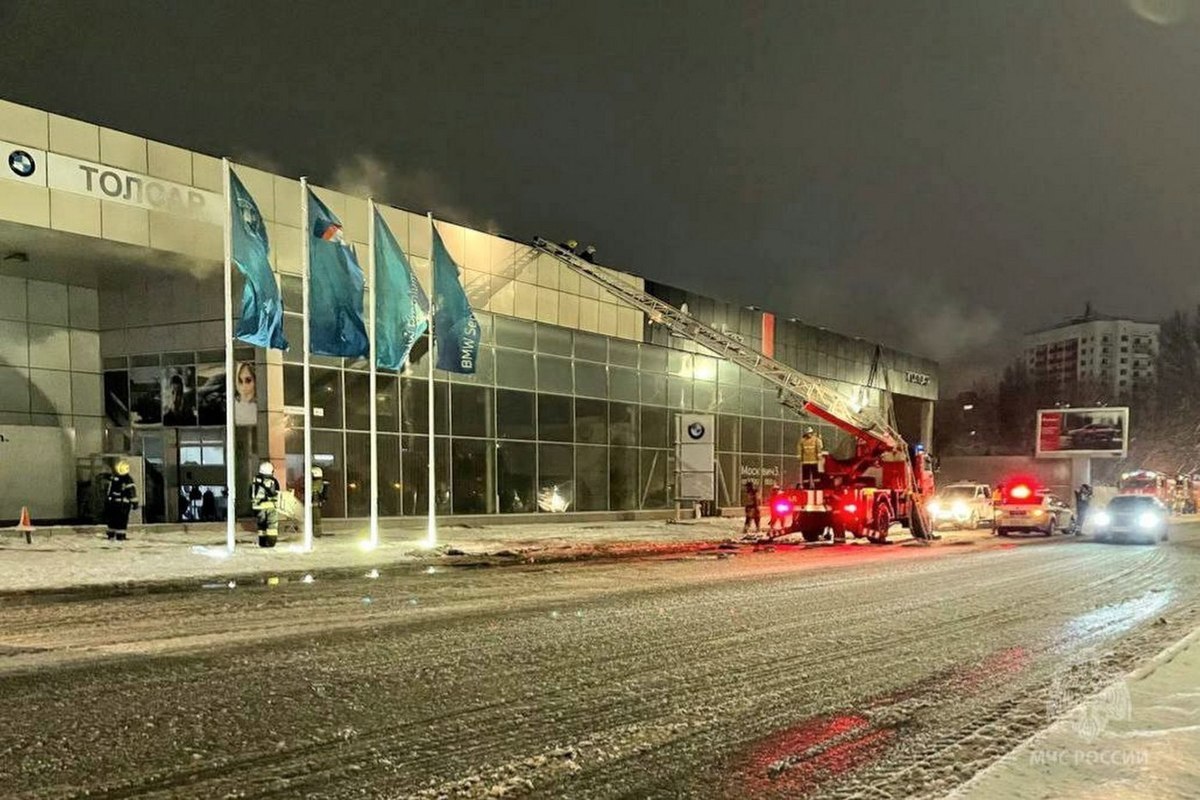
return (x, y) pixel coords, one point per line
(811, 534)
(883, 521)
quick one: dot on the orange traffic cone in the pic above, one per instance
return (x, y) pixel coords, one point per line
(25, 525)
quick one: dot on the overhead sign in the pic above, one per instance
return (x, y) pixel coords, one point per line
(111, 184)
(130, 188)
(1083, 432)
(919, 378)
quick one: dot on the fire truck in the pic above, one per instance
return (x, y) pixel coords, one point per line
(1145, 481)
(883, 481)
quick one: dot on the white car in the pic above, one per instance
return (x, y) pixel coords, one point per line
(1036, 512)
(962, 505)
(1131, 517)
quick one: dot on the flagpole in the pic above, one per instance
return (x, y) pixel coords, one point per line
(374, 533)
(230, 378)
(305, 235)
(431, 527)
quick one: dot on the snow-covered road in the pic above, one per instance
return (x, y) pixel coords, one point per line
(774, 672)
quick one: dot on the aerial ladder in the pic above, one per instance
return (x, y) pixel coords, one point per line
(880, 484)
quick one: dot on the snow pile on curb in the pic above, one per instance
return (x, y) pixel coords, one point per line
(1137, 738)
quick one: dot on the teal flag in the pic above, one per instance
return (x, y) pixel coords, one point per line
(455, 329)
(261, 322)
(401, 307)
(335, 303)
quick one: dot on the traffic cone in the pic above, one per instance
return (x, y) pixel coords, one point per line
(25, 525)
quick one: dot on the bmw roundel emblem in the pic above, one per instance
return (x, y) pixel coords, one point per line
(21, 163)
(695, 430)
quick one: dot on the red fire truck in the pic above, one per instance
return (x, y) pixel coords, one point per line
(884, 483)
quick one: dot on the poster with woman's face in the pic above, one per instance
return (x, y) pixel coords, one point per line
(245, 407)
(179, 396)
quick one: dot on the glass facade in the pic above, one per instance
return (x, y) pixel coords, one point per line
(554, 420)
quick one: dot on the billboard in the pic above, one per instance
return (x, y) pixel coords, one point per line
(1089, 432)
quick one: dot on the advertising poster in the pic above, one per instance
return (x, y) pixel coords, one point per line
(145, 396)
(210, 394)
(1094, 432)
(179, 397)
(245, 408)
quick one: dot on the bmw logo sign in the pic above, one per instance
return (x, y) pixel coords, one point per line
(21, 163)
(695, 430)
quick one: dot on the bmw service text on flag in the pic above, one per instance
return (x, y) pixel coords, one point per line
(335, 308)
(401, 307)
(261, 322)
(454, 325)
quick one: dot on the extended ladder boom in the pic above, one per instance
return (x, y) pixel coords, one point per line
(798, 391)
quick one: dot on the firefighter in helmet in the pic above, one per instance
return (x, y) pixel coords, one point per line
(120, 499)
(809, 450)
(320, 493)
(264, 494)
(751, 504)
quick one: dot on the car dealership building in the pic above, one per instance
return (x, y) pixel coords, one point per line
(111, 343)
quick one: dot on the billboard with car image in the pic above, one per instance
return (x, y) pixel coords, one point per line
(1082, 432)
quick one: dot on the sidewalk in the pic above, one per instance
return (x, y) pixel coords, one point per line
(65, 559)
(1138, 738)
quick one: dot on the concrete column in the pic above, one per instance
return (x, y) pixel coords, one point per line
(927, 423)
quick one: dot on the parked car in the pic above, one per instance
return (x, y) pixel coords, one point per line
(962, 505)
(1040, 512)
(1131, 517)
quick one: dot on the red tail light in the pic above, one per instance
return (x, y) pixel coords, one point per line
(1020, 492)
(783, 507)
(850, 508)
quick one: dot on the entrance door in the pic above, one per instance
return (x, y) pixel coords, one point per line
(154, 492)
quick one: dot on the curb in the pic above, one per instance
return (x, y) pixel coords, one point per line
(1139, 673)
(596, 552)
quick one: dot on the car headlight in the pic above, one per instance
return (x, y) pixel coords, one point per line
(935, 507)
(960, 510)
(1149, 519)
(1101, 519)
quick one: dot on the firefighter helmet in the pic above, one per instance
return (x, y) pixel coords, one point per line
(122, 468)
(266, 468)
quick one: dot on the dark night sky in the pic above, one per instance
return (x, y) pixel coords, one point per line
(944, 175)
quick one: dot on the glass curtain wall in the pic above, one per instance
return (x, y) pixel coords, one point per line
(554, 420)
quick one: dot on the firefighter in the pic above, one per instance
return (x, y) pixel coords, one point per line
(119, 501)
(778, 505)
(809, 449)
(1179, 495)
(320, 493)
(264, 494)
(751, 503)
